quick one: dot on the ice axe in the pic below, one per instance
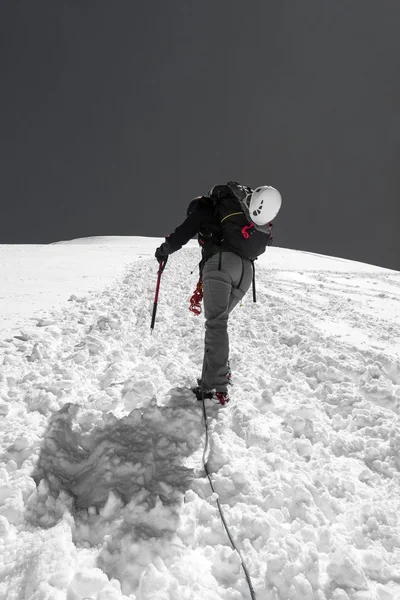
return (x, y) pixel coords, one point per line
(161, 268)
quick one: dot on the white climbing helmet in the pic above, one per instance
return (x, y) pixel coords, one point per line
(264, 204)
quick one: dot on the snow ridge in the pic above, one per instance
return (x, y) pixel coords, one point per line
(103, 494)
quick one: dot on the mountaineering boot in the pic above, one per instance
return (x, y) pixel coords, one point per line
(200, 393)
(228, 378)
(222, 397)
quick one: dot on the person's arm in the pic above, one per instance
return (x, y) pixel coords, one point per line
(182, 234)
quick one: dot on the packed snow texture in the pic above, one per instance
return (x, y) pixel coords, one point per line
(103, 493)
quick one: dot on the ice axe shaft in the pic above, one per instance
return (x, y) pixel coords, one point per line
(161, 268)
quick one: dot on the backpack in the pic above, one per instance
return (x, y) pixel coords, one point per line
(238, 233)
(231, 229)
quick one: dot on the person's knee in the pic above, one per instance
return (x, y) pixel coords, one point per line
(217, 323)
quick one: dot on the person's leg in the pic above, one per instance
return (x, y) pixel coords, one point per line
(217, 287)
(244, 282)
(220, 276)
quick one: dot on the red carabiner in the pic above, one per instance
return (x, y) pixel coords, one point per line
(245, 234)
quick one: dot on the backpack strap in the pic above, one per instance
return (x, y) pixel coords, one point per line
(232, 215)
(254, 281)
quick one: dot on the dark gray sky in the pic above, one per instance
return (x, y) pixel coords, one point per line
(115, 113)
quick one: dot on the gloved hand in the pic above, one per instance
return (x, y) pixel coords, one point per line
(160, 256)
(162, 253)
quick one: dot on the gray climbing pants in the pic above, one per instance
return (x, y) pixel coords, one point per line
(226, 279)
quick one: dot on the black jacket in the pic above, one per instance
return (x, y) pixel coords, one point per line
(201, 220)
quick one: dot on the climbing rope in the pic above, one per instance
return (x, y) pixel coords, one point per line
(246, 572)
(195, 300)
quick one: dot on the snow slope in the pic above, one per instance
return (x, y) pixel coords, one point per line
(38, 277)
(102, 492)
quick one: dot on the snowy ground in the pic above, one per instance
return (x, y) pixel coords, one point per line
(40, 277)
(102, 492)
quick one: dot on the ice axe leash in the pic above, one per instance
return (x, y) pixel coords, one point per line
(246, 572)
(161, 268)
